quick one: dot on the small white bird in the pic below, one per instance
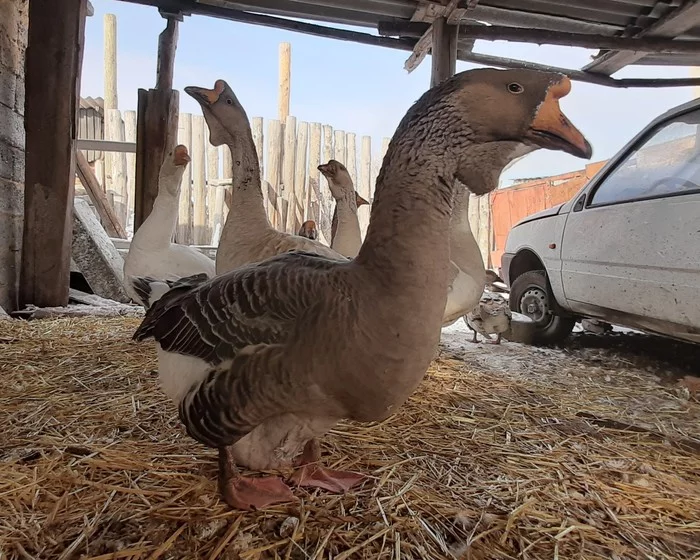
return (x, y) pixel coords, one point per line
(491, 316)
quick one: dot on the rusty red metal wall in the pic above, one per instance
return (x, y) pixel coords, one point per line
(510, 205)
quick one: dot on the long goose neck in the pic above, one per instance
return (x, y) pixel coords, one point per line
(407, 239)
(348, 237)
(158, 229)
(247, 213)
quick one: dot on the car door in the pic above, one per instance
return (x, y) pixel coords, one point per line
(631, 242)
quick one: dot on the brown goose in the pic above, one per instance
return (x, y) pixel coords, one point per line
(265, 359)
(309, 230)
(346, 237)
(247, 235)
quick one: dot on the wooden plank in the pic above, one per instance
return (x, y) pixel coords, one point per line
(351, 156)
(183, 233)
(108, 216)
(365, 186)
(130, 136)
(300, 195)
(199, 179)
(325, 193)
(212, 192)
(339, 152)
(117, 182)
(312, 196)
(54, 57)
(106, 145)
(156, 133)
(227, 167)
(287, 189)
(444, 51)
(167, 47)
(285, 75)
(274, 167)
(258, 140)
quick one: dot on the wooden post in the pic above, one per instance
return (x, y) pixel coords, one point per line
(212, 191)
(110, 62)
(328, 154)
(444, 51)
(110, 94)
(130, 136)
(287, 190)
(312, 197)
(199, 179)
(339, 147)
(227, 171)
(54, 59)
(184, 214)
(274, 166)
(285, 74)
(156, 129)
(258, 140)
(351, 157)
(300, 176)
(118, 180)
(365, 188)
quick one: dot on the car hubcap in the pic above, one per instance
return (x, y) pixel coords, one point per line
(535, 305)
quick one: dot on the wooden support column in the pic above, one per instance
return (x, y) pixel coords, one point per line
(156, 126)
(444, 51)
(54, 63)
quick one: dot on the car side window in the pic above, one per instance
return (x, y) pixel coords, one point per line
(665, 163)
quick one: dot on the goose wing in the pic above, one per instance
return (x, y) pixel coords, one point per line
(255, 304)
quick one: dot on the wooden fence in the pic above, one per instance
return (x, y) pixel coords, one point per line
(289, 154)
(293, 188)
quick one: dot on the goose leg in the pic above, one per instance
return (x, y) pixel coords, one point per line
(315, 476)
(474, 340)
(249, 493)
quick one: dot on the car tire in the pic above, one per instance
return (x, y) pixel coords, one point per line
(531, 296)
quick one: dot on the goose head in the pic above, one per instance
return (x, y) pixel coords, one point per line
(499, 115)
(308, 229)
(339, 180)
(174, 165)
(225, 116)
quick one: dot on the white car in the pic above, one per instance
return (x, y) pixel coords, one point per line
(626, 248)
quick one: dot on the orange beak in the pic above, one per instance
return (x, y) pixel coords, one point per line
(552, 129)
(180, 155)
(359, 201)
(207, 96)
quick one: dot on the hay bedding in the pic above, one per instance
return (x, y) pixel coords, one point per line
(481, 463)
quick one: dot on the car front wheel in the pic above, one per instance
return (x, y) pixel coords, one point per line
(530, 295)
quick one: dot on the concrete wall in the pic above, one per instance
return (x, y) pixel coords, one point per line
(13, 42)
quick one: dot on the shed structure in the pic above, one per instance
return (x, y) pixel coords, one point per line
(38, 167)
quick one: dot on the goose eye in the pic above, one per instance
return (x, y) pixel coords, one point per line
(229, 101)
(515, 87)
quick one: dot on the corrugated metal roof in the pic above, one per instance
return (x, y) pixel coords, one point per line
(611, 18)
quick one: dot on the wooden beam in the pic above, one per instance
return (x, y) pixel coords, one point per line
(285, 77)
(156, 125)
(542, 36)
(156, 134)
(425, 42)
(53, 64)
(167, 46)
(444, 51)
(674, 24)
(108, 216)
(578, 75)
(105, 145)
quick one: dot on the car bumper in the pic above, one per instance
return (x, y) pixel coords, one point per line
(506, 259)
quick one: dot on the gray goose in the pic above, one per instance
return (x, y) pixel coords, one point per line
(247, 235)
(264, 360)
(346, 237)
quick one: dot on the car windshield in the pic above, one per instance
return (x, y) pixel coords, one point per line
(666, 162)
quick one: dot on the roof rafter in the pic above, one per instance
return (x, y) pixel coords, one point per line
(674, 24)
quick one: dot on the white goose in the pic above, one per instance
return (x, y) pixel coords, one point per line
(152, 252)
